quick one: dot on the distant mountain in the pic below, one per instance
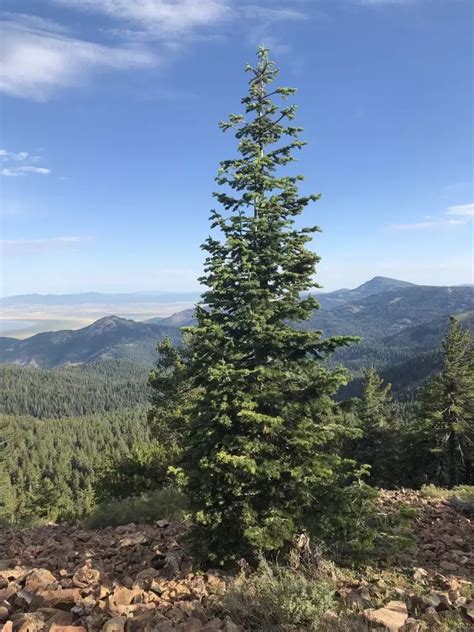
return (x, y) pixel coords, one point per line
(109, 337)
(179, 319)
(385, 313)
(377, 285)
(396, 320)
(98, 298)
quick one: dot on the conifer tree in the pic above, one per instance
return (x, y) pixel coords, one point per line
(377, 418)
(260, 442)
(7, 492)
(448, 410)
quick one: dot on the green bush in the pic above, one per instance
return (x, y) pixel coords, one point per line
(166, 504)
(463, 492)
(144, 470)
(344, 521)
(275, 597)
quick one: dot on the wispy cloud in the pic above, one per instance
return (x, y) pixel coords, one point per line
(454, 216)
(271, 13)
(161, 17)
(23, 171)
(20, 164)
(375, 3)
(15, 247)
(462, 210)
(36, 61)
(266, 25)
(39, 56)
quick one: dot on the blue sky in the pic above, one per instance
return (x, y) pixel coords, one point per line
(110, 143)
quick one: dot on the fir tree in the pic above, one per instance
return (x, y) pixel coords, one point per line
(7, 492)
(262, 434)
(378, 446)
(448, 410)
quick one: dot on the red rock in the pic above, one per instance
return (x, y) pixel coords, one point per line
(66, 628)
(31, 622)
(60, 597)
(117, 624)
(393, 616)
(85, 576)
(39, 579)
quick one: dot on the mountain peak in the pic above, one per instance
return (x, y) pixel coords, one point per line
(381, 283)
(109, 322)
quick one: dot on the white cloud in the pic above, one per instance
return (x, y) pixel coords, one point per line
(162, 17)
(270, 13)
(39, 56)
(23, 171)
(385, 2)
(20, 156)
(462, 210)
(20, 164)
(37, 61)
(454, 216)
(15, 247)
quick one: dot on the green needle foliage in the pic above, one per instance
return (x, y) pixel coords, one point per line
(377, 417)
(261, 437)
(448, 410)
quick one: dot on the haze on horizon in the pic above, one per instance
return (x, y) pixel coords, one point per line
(110, 141)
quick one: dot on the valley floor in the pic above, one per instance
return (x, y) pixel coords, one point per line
(138, 578)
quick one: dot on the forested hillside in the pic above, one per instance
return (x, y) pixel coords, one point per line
(72, 391)
(51, 465)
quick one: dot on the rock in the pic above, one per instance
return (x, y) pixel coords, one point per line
(230, 626)
(412, 625)
(393, 616)
(39, 579)
(192, 625)
(66, 628)
(58, 617)
(85, 576)
(419, 574)
(445, 602)
(117, 624)
(448, 566)
(8, 626)
(164, 626)
(214, 624)
(133, 540)
(61, 597)
(4, 612)
(30, 622)
(430, 601)
(469, 610)
(123, 597)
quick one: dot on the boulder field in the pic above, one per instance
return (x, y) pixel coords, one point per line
(138, 578)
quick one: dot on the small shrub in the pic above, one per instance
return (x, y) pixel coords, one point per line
(275, 597)
(144, 470)
(453, 623)
(345, 522)
(166, 504)
(395, 533)
(463, 492)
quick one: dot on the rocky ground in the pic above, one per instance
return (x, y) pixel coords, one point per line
(138, 578)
